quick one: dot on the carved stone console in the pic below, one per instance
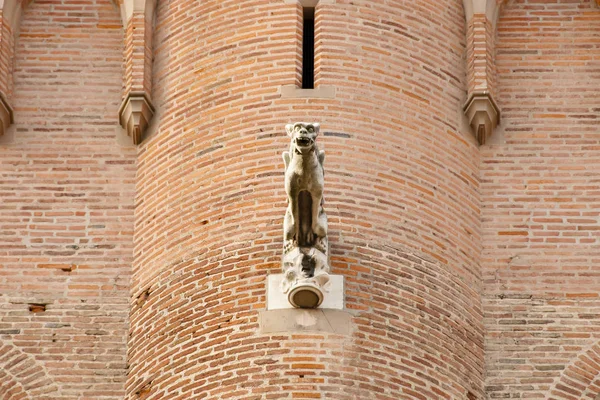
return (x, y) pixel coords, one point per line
(135, 114)
(483, 115)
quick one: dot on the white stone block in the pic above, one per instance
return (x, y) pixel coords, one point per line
(306, 320)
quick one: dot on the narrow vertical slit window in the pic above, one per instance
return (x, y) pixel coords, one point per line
(308, 48)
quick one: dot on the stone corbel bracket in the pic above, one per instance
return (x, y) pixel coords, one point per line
(480, 108)
(135, 114)
(483, 115)
(6, 115)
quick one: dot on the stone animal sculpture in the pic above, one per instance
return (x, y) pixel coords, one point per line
(305, 253)
(305, 222)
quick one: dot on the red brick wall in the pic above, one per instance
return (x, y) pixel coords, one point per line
(66, 210)
(401, 196)
(418, 216)
(540, 209)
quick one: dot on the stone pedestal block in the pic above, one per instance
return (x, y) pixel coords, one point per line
(302, 320)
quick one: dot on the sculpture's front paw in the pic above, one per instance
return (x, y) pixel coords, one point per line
(321, 245)
(319, 230)
(289, 235)
(310, 238)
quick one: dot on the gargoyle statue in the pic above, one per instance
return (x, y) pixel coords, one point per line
(305, 223)
(305, 252)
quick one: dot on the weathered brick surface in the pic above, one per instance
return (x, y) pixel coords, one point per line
(422, 222)
(66, 215)
(22, 377)
(401, 196)
(540, 204)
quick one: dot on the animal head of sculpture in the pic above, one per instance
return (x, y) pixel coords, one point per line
(303, 136)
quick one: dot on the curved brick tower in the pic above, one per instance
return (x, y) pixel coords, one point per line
(401, 196)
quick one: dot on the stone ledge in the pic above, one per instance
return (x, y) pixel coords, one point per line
(483, 115)
(321, 92)
(295, 319)
(135, 114)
